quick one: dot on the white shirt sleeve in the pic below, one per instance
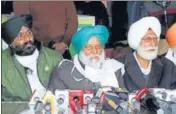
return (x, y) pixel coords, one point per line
(123, 71)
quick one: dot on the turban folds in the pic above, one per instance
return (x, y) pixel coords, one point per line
(138, 30)
(11, 28)
(171, 36)
(80, 39)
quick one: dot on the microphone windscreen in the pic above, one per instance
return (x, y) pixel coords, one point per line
(115, 98)
(112, 104)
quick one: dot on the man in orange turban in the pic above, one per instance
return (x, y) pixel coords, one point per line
(171, 39)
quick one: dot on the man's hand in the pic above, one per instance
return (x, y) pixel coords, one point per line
(60, 47)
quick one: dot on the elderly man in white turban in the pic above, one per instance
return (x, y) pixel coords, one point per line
(142, 67)
(90, 68)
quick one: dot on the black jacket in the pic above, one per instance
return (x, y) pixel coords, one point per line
(162, 75)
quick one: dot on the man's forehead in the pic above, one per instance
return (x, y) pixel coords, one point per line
(24, 29)
(93, 40)
(19, 38)
(151, 32)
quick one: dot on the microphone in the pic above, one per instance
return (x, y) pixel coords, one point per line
(47, 108)
(36, 96)
(118, 109)
(166, 101)
(141, 93)
(123, 94)
(167, 107)
(147, 100)
(39, 107)
(173, 98)
(62, 98)
(92, 107)
(49, 103)
(117, 96)
(159, 93)
(96, 103)
(100, 95)
(77, 105)
(76, 101)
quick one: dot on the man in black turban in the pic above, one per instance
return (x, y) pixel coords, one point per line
(16, 33)
(27, 65)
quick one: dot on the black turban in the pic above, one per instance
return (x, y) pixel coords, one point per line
(11, 28)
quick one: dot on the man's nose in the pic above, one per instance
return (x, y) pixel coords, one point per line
(27, 42)
(27, 38)
(95, 50)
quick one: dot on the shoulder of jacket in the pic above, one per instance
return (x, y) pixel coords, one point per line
(66, 63)
(165, 60)
(6, 54)
(51, 52)
(161, 60)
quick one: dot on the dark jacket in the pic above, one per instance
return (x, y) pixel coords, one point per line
(162, 75)
(52, 20)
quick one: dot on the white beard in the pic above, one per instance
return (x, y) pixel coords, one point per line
(94, 63)
(147, 55)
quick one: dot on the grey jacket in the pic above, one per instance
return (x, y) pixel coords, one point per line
(66, 76)
(162, 75)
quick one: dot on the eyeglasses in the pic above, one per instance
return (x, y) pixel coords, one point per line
(149, 39)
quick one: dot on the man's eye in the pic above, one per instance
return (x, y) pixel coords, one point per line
(98, 47)
(88, 47)
(155, 39)
(29, 32)
(20, 35)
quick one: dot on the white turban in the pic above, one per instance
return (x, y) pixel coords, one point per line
(138, 30)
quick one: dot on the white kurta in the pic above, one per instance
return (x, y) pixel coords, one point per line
(106, 75)
(32, 74)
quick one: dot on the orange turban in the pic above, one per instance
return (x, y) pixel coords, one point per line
(171, 36)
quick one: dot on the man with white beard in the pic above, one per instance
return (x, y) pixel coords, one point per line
(90, 69)
(171, 39)
(142, 67)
